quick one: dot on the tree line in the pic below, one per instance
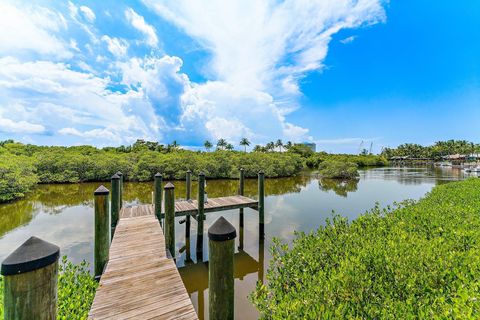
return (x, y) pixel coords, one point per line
(436, 151)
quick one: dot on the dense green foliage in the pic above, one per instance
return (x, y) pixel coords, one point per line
(21, 166)
(17, 176)
(417, 260)
(316, 159)
(436, 151)
(338, 169)
(76, 290)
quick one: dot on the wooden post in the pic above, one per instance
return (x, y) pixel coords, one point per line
(201, 212)
(158, 181)
(122, 180)
(188, 184)
(241, 218)
(261, 204)
(102, 234)
(170, 218)
(115, 203)
(30, 280)
(220, 270)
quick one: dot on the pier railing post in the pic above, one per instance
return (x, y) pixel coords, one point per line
(261, 204)
(241, 218)
(30, 281)
(115, 203)
(201, 212)
(220, 269)
(122, 179)
(170, 218)
(102, 230)
(158, 181)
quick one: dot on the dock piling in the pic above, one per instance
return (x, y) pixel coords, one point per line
(241, 218)
(261, 204)
(158, 181)
(170, 218)
(115, 203)
(122, 180)
(220, 269)
(30, 281)
(201, 212)
(188, 183)
(102, 234)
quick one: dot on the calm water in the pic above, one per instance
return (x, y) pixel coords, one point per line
(63, 214)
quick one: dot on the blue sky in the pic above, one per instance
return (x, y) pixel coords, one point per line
(336, 72)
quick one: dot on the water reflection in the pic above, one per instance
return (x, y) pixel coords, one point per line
(63, 214)
(339, 186)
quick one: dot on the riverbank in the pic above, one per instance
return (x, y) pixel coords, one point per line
(417, 260)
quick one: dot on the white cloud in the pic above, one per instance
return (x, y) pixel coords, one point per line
(138, 22)
(348, 40)
(29, 30)
(258, 58)
(8, 125)
(55, 98)
(87, 13)
(117, 47)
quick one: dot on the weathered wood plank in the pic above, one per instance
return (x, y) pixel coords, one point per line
(140, 282)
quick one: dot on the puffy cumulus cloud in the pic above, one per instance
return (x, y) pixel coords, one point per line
(259, 58)
(27, 30)
(48, 97)
(138, 22)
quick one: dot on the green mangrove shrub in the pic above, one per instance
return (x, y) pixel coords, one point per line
(416, 260)
(338, 170)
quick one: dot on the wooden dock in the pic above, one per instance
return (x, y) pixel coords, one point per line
(190, 207)
(140, 281)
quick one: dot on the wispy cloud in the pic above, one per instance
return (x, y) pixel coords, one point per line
(348, 40)
(138, 22)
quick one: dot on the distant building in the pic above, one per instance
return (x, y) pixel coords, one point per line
(311, 145)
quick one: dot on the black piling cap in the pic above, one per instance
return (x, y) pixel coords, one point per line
(222, 230)
(169, 186)
(241, 169)
(33, 254)
(101, 191)
(120, 173)
(201, 174)
(158, 175)
(261, 172)
(189, 171)
(115, 177)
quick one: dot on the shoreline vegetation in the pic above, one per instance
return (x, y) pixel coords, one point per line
(22, 166)
(417, 259)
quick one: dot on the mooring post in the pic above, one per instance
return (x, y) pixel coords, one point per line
(201, 212)
(102, 234)
(121, 188)
(241, 218)
(221, 243)
(115, 203)
(170, 218)
(30, 281)
(188, 185)
(158, 181)
(261, 204)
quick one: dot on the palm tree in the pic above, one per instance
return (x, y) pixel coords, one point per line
(279, 144)
(270, 146)
(221, 144)
(288, 145)
(208, 145)
(229, 147)
(257, 148)
(245, 143)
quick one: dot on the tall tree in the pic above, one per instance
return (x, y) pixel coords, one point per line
(221, 144)
(279, 144)
(245, 143)
(270, 146)
(208, 145)
(229, 147)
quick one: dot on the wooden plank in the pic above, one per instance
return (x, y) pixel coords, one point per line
(140, 282)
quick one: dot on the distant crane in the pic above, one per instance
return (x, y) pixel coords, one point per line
(371, 147)
(360, 147)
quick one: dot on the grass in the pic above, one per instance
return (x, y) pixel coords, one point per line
(416, 260)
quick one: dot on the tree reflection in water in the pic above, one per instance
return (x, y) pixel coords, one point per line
(339, 186)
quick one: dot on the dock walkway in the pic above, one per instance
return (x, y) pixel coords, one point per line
(140, 281)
